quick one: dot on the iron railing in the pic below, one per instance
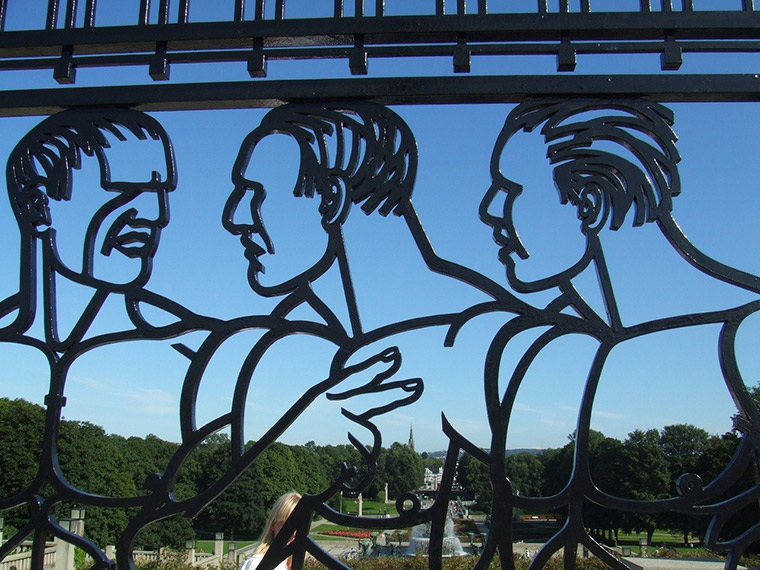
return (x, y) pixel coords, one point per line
(379, 164)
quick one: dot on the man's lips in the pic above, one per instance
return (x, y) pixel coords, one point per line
(130, 239)
(136, 242)
(252, 251)
(508, 247)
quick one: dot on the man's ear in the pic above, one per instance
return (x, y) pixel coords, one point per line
(334, 205)
(592, 207)
(33, 206)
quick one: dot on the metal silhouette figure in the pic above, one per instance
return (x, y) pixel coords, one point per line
(357, 154)
(613, 162)
(129, 215)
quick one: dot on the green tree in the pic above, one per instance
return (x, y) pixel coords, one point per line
(754, 393)
(526, 473)
(683, 445)
(474, 476)
(558, 464)
(146, 458)
(22, 425)
(605, 463)
(432, 463)
(402, 469)
(311, 475)
(645, 476)
(92, 461)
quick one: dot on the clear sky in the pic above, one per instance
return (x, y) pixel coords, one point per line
(671, 378)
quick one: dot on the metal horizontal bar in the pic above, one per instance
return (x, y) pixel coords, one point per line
(389, 91)
(420, 50)
(388, 30)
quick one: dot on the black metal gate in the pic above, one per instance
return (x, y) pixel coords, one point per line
(608, 134)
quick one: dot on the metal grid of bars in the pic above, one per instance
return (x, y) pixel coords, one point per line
(359, 32)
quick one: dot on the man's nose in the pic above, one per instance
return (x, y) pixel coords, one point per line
(236, 217)
(152, 206)
(495, 203)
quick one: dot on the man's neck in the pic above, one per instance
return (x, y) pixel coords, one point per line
(69, 309)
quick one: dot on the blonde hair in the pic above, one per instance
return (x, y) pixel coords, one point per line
(281, 510)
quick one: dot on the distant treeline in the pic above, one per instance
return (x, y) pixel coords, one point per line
(645, 466)
(112, 465)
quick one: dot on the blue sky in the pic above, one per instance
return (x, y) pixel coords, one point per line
(672, 378)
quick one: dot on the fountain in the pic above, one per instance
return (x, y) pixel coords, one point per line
(420, 540)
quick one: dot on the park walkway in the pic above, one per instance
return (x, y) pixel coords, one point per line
(673, 564)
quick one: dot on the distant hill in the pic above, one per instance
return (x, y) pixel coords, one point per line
(530, 450)
(533, 451)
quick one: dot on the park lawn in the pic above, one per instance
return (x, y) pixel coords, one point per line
(351, 507)
(208, 545)
(664, 539)
(659, 538)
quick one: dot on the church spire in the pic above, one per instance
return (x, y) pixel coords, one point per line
(411, 438)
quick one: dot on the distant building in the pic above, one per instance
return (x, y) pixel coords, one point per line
(432, 479)
(411, 439)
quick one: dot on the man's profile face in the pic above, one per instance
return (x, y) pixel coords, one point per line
(282, 234)
(109, 230)
(539, 238)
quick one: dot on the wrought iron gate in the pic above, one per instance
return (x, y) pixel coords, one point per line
(611, 150)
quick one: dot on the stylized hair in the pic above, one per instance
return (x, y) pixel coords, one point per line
(47, 155)
(360, 153)
(281, 510)
(609, 156)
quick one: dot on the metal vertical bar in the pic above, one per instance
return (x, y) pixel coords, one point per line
(379, 7)
(257, 61)
(64, 71)
(586, 6)
(646, 6)
(482, 7)
(3, 8)
(357, 59)
(688, 5)
(163, 12)
(542, 7)
(144, 12)
(279, 10)
(89, 13)
(748, 5)
(359, 8)
(184, 11)
(667, 5)
(461, 7)
(71, 14)
(564, 6)
(51, 23)
(239, 10)
(439, 8)
(258, 10)
(338, 11)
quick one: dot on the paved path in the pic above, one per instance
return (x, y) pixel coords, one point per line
(673, 564)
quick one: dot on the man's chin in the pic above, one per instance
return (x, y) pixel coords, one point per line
(260, 285)
(124, 275)
(254, 280)
(515, 282)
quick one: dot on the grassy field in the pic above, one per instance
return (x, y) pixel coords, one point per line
(208, 545)
(351, 507)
